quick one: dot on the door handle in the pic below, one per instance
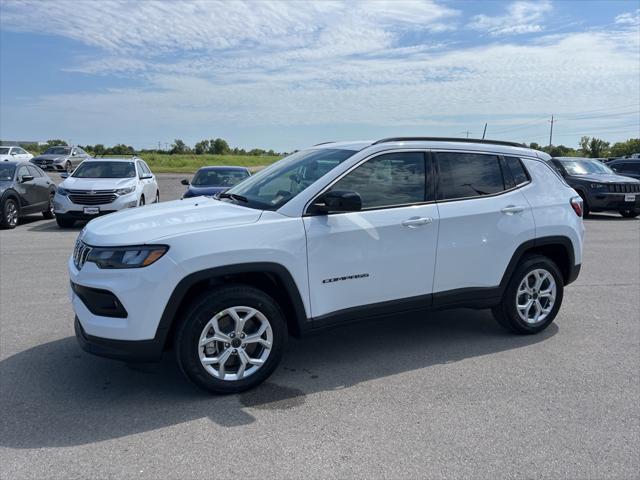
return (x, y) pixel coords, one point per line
(511, 209)
(414, 222)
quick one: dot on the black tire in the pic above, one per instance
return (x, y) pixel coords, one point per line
(629, 213)
(64, 222)
(157, 196)
(141, 202)
(10, 213)
(203, 309)
(507, 312)
(49, 213)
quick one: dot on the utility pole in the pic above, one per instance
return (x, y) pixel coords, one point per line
(551, 132)
(467, 132)
(484, 131)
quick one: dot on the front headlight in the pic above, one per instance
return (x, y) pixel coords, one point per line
(126, 257)
(598, 185)
(126, 190)
(62, 191)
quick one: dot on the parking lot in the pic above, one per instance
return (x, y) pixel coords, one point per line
(438, 395)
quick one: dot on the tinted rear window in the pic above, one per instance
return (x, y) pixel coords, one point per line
(464, 175)
(517, 170)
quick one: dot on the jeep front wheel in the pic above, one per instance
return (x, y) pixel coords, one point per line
(231, 339)
(533, 296)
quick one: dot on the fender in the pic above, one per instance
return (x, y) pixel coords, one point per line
(540, 242)
(301, 323)
(13, 194)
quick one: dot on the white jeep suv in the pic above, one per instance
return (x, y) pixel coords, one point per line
(98, 187)
(328, 235)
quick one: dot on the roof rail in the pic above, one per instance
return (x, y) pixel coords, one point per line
(449, 139)
(324, 143)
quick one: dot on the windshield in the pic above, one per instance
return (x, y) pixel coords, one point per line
(58, 151)
(276, 185)
(219, 177)
(99, 169)
(584, 167)
(6, 172)
(4, 151)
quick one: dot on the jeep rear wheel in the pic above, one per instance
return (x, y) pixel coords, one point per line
(533, 296)
(231, 340)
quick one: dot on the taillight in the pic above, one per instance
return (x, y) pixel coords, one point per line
(576, 204)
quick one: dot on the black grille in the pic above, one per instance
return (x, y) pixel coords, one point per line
(80, 254)
(624, 187)
(44, 162)
(95, 197)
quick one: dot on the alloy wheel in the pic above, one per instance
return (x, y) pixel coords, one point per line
(235, 343)
(536, 296)
(12, 214)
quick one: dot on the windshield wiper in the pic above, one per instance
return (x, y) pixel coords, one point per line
(233, 196)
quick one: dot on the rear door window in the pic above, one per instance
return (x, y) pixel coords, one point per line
(468, 175)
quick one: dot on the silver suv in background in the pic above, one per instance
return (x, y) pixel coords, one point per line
(99, 187)
(61, 158)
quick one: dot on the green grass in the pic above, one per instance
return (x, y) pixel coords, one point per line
(189, 163)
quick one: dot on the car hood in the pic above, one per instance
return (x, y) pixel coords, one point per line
(74, 183)
(49, 157)
(605, 178)
(195, 191)
(152, 223)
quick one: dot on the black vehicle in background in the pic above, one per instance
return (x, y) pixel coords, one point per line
(24, 189)
(629, 167)
(214, 180)
(601, 188)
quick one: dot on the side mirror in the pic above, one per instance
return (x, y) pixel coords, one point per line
(337, 201)
(146, 176)
(26, 178)
(73, 154)
(184, 181)
(13, 153)
(64, 175)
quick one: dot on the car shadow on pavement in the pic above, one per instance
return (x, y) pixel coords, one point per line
(51, 226)
(55, 395)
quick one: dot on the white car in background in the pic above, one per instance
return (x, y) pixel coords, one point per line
(8, 154)
(99, 187)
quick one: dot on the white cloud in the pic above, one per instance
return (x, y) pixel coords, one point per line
(629, 19)
(521, 17)
(153, 27)
(213, 65)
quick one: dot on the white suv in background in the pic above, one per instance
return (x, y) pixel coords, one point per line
(328, 235)
(97, 187)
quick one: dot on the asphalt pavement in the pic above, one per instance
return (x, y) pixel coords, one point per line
(438, 395)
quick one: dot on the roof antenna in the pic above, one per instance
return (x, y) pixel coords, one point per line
(484, 131)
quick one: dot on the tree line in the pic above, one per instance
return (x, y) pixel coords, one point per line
(588, 147)
(592, 147)
(217, 146)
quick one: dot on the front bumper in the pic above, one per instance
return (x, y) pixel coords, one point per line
(602, 202)
(128, 351)
(62, 205)
(119, 311)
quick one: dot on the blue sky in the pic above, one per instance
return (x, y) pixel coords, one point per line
(284, 75)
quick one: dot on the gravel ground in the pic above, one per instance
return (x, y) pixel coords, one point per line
(440, 395)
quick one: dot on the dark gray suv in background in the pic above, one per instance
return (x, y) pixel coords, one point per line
(601, 189)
